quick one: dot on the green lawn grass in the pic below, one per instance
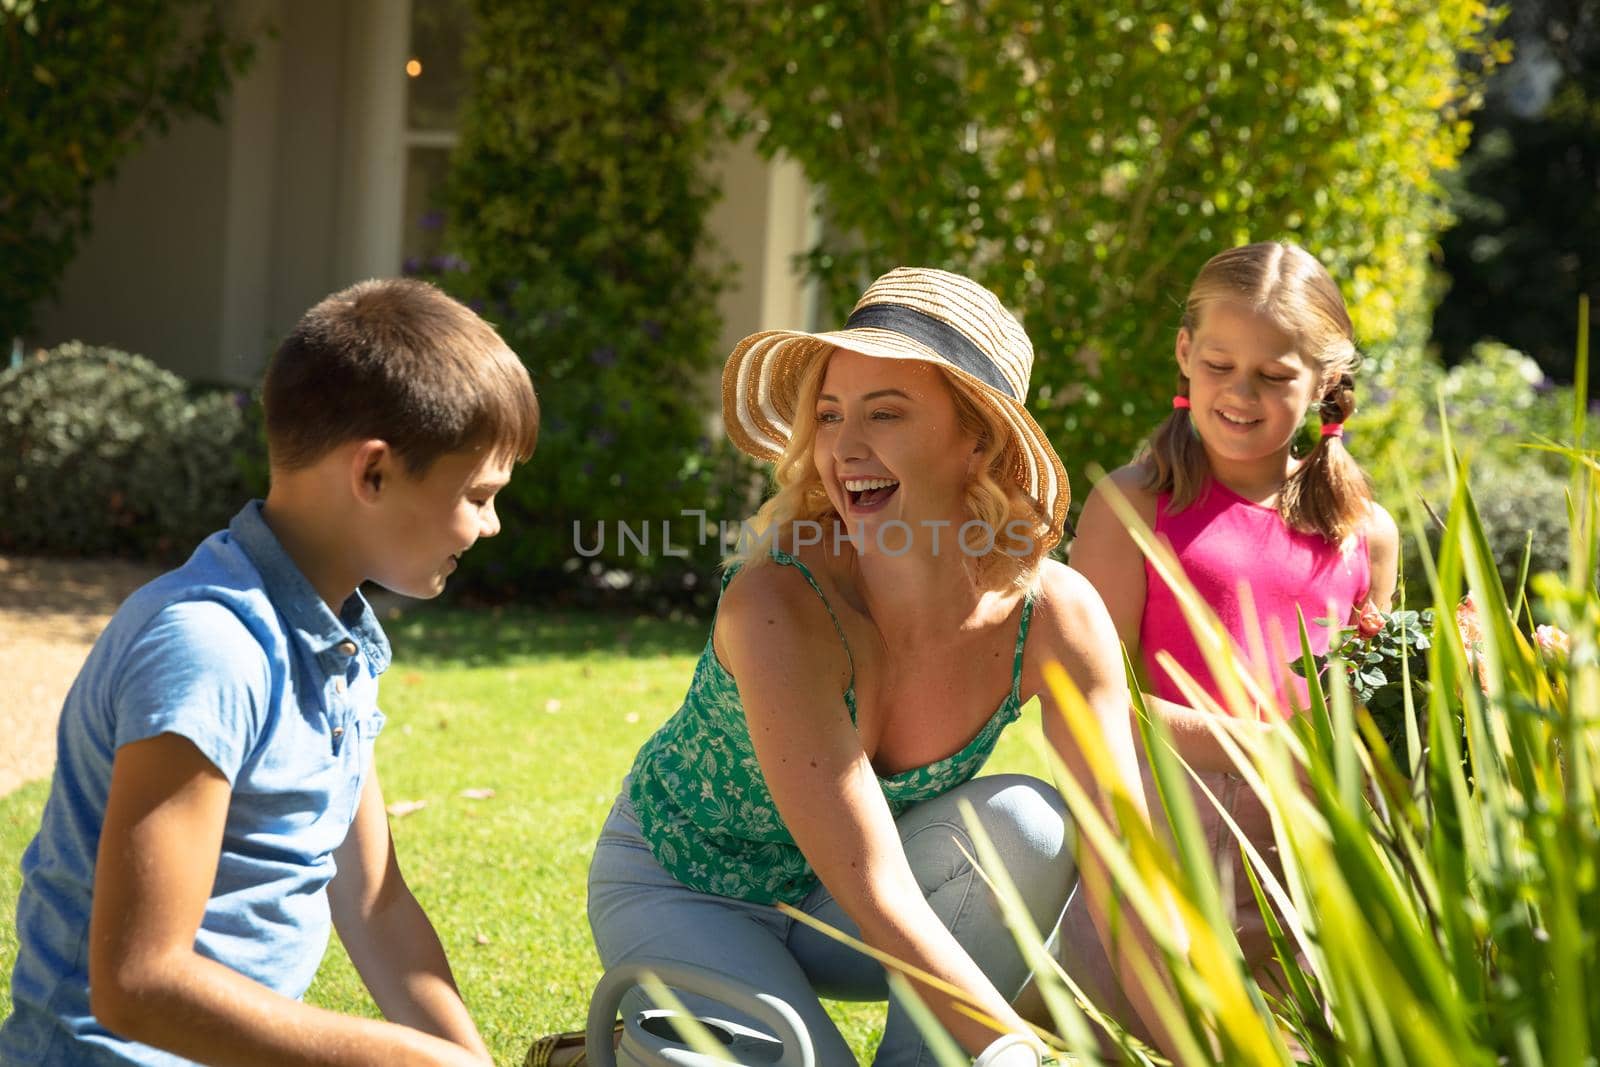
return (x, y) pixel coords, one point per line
(547, 710)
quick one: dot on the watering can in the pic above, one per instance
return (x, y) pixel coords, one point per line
(649, 1038)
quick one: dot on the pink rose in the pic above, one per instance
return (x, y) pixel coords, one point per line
(1469, 624)
(1470, 627)
(1553, 642)
(1370, 622)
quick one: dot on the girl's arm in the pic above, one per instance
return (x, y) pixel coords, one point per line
(1075, 630)
(1107, 557)
(1383, 555)
(778, 642)
(1105, 554)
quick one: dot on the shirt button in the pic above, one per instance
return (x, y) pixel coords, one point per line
(347, 647)
(338, 732)
(338, 684)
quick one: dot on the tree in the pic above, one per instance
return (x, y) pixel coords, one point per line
(82, 85)
(577, 210)
(1084, 159)
(1527, 239)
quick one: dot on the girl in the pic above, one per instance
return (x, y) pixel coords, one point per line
(1264, 535)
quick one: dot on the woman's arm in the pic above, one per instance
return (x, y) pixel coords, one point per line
(1074, 630)
(780, 645)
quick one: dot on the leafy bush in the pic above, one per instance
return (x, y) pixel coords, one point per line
(103, 453)
(1083, 160)
(70, 114)
(1495, 404)
(577, 212)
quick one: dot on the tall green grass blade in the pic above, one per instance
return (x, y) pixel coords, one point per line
(1342, 715)
(1300, 993)
(1580, 375)
(1521, 604)
(1069, 1019)
(1183, 820)
(945, 1051)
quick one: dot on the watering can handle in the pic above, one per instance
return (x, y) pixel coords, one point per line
(772, 1011)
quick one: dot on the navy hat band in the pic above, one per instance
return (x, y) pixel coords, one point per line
(936, 334)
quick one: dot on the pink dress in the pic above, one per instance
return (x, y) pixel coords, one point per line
(1223, 540)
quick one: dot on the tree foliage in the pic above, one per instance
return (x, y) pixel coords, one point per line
(1083, 160)
(1527, 239)
(83, 84)
(577, 208)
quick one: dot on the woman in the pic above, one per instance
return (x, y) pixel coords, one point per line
(888, 614)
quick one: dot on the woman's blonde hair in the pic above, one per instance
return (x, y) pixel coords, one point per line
(1328, 493)
(1003, 555)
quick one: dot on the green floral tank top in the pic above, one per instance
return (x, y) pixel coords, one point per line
(703, 802)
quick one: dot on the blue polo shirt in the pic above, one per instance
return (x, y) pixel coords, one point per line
(235, 651)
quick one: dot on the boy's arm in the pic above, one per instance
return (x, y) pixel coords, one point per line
(387, 934)
(157, 861)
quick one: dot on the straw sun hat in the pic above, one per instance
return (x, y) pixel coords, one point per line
(914, 313)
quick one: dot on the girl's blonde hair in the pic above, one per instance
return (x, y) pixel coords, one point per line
(1328, 493)
(1003, 556)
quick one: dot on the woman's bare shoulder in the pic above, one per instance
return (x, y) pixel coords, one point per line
(1065, 597)
(771, 606)
(1072, 626)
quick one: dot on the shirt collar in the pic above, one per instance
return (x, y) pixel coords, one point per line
(332, 639)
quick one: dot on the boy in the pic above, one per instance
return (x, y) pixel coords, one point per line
(215, 802)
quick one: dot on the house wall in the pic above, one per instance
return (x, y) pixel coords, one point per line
(149, 278)
(212, 240)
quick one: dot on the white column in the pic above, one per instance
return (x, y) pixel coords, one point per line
(249, 209)
(372, 179)
(788, 297)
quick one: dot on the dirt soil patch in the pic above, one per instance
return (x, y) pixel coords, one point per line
(51, 611)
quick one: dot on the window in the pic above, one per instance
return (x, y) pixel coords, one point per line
(435, 85)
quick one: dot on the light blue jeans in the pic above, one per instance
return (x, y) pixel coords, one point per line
(637, 909)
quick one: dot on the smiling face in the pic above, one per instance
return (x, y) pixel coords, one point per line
(426, 523)
(889, 445)
(1249, 388)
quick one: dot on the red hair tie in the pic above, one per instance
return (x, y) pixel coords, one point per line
(1180, 403)
(1333, 429)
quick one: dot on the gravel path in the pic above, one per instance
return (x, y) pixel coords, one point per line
(51, 611)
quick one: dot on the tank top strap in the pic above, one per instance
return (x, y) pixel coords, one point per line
(1022, 637)
(784, 558)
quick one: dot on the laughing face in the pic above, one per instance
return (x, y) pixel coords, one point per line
(890, 446)
(1249, 389)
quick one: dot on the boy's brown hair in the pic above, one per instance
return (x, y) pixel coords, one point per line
(400, 361)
